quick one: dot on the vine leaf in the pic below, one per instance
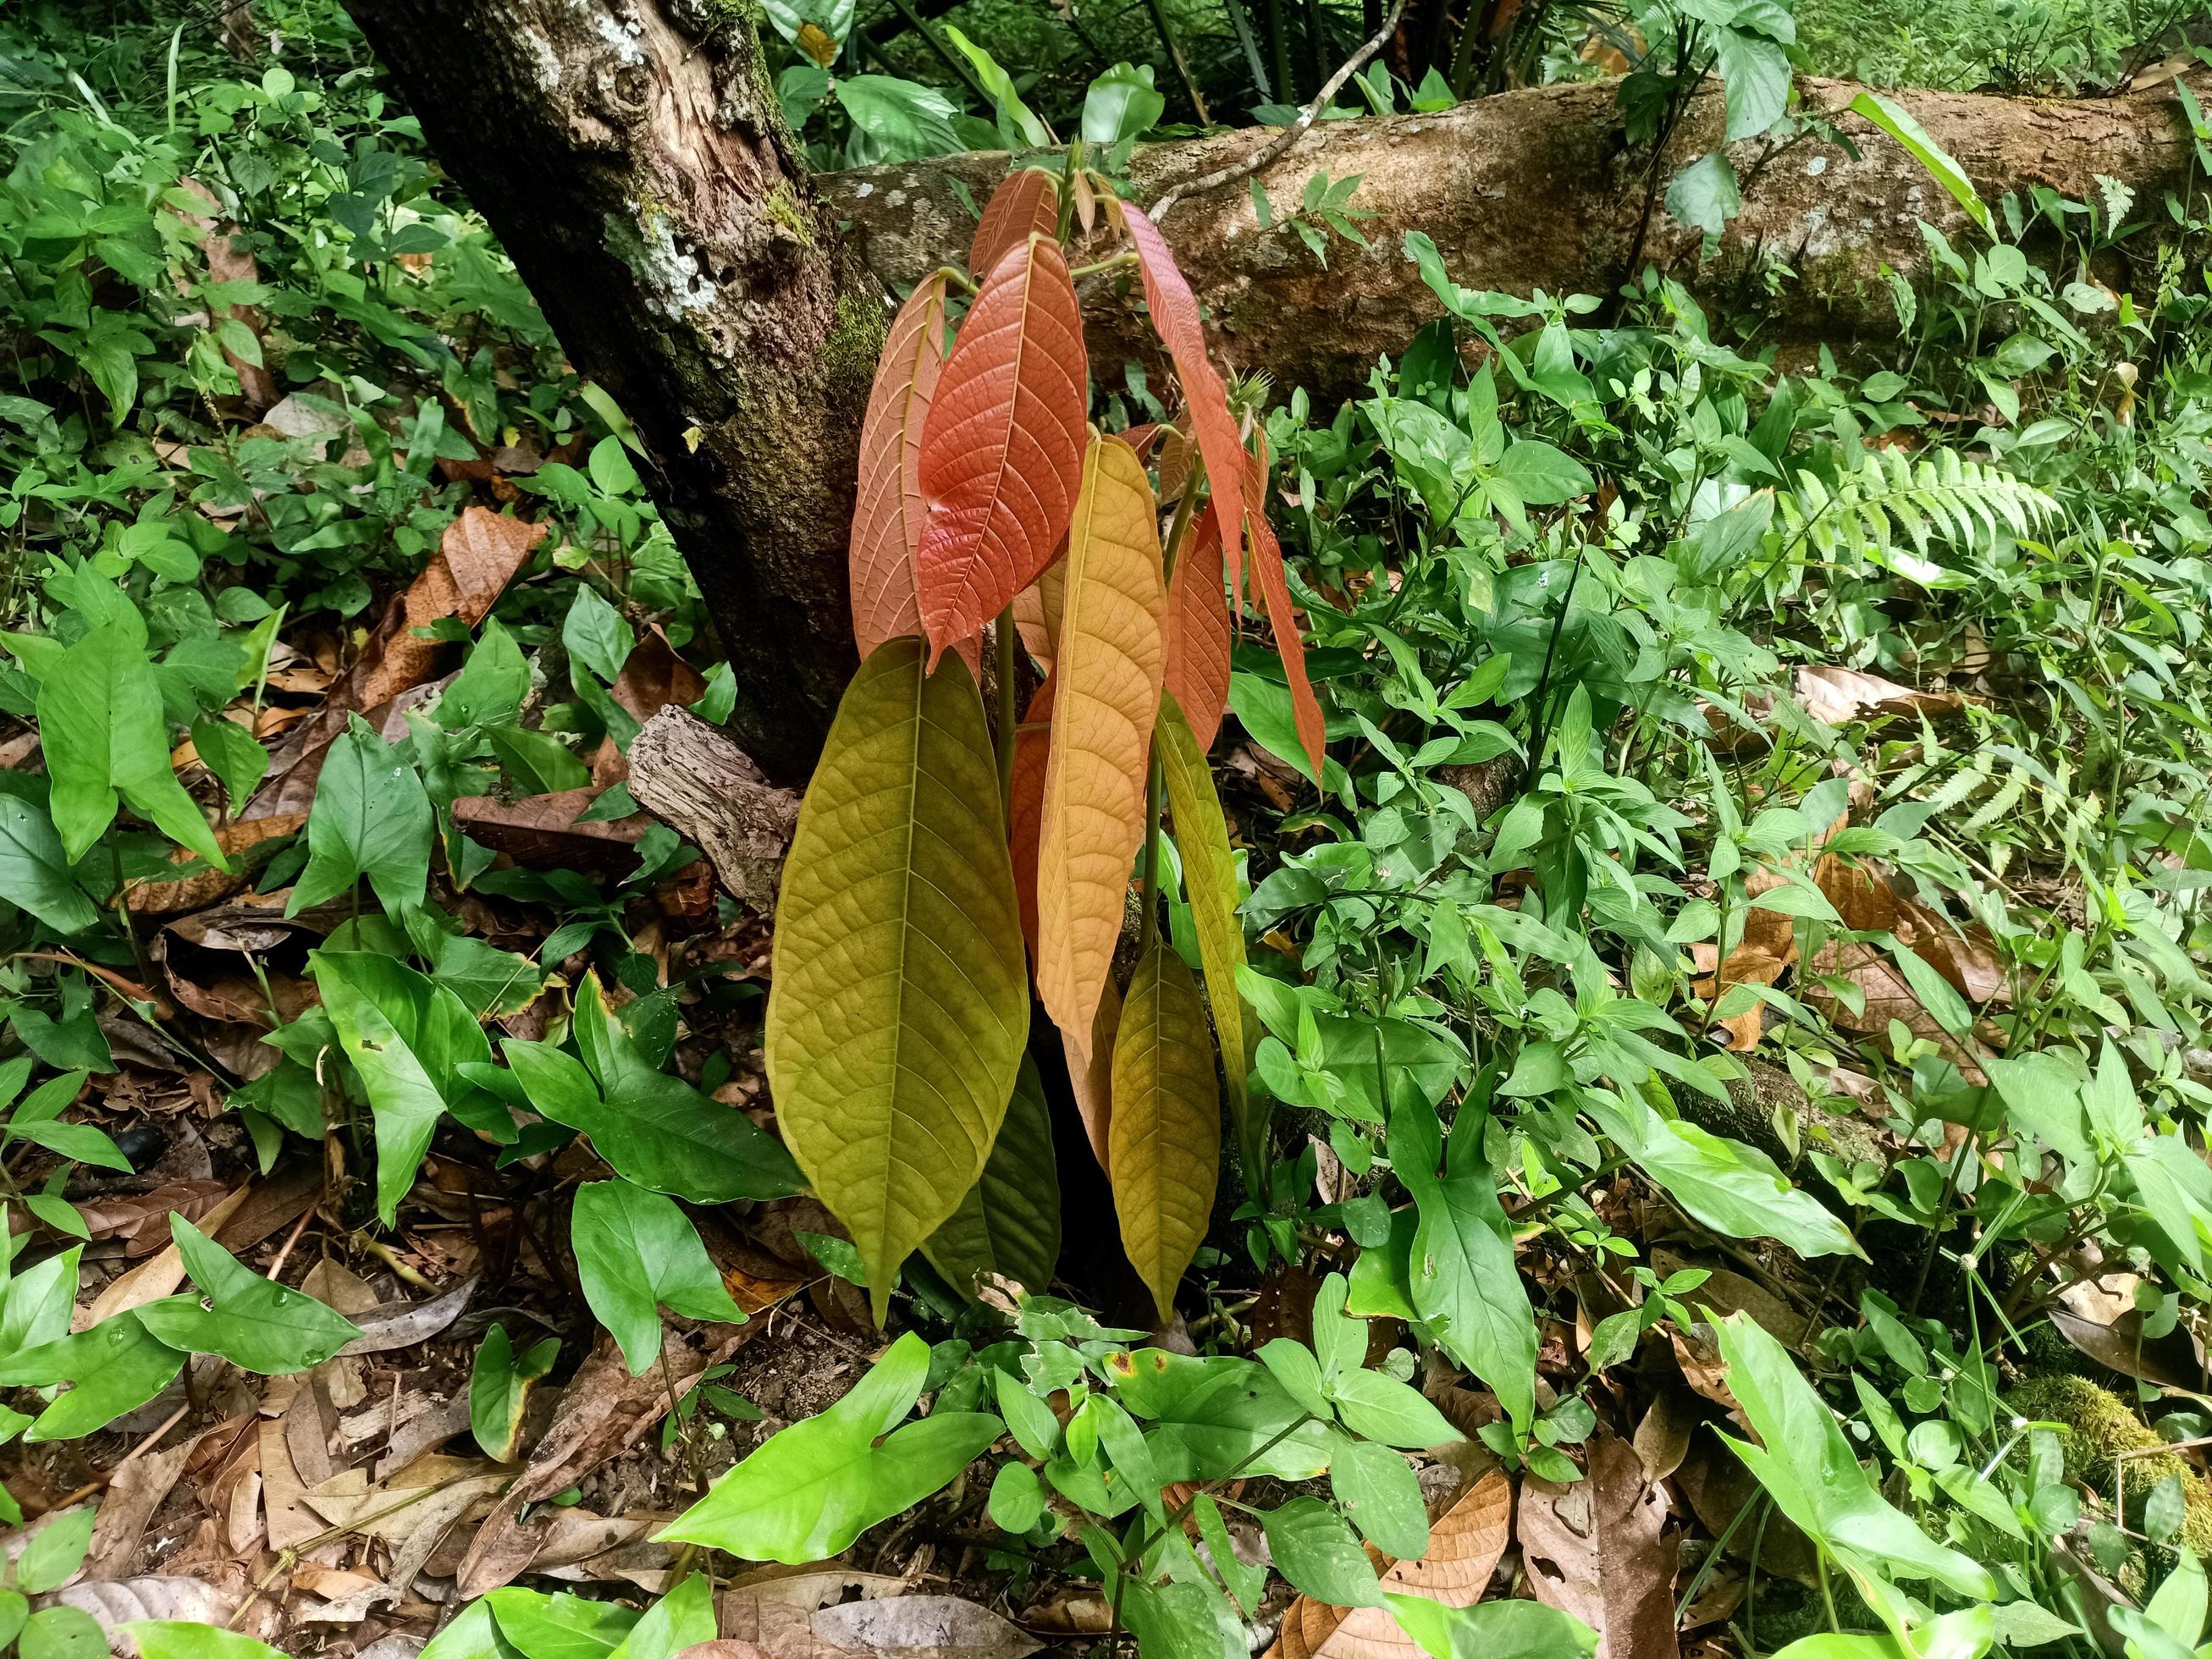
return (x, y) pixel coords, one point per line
(889, 512)
(1209, 874)
(1106, 694)
(1164, 1145)
(1002, 445)
(1028, 202)
(899, 1005)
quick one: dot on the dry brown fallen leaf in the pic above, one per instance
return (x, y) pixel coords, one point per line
(228, 260)
(1599, 1549)
(1465, 1543)
(402, 1324)
(923, 1627)
(478, 555)
(115, 1602)
(157, 1276)
(541, 831)
(1834, 696)
(237, 840)
(772, 1610)
(135, 1491)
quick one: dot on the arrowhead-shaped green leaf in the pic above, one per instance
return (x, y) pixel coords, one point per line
(900, 1003)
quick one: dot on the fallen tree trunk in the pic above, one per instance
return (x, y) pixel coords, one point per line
(1539, 189)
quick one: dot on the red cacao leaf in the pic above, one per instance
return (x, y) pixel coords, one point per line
(1036, 611)
(1141, 439)
(1002, 447)
(1266, 566)
(1026, 810)
(1175, 318)
(887, 518)
(1198, 630)
(1027, 201)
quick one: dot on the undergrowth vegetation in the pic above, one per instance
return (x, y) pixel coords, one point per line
(1689, 865)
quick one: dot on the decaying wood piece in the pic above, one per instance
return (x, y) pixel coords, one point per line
(1539, 189)
(686, 771)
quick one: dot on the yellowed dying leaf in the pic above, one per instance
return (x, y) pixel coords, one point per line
(1209, 874)
(899, 1007)
(1164, 1145)
(1111, 654)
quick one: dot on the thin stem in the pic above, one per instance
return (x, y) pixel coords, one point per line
(1827, 1596)
(1174, 56)
(1009, 720)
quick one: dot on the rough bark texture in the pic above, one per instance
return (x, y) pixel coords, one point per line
(633, 158)
(686, 772)
(1539, 189)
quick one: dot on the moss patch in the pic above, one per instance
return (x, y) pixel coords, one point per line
(2103, 1429)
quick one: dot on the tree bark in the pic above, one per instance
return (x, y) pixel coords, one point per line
(1539, 189)
(633, 158)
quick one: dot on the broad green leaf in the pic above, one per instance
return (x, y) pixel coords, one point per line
(1465, 1284)
(1809, 1469)
(38, 1121)
(407, 1038)
(1163, 1141)
(180, 1638)
(115, 1367)
(595, 634)
(1209, 874)
(1017, 1498)
(1733, 1188)
(682, 1618)
(473, 1633)
(371, 819)
(656, 1130)
(1381, 1495)
(55, 1551)
(1020, 126)
(561, 1626)
(1219, 1415)
(907, 121)
(1109, 657)
(1705, 195)
(898, 1009)
(1965, 1634)
(250, 1321)
(635, 1254)
(492, 684)
(1491, 1629)
(1009, 1222)
(1121, 104)
(500, 1382)
(1316, 1551)
(1382, 1408)
(1755, 72)
(34, 869)
(62, 1633)
(812, 1488)
(1899, 125)
(1182, 1619)
(103, 734)
(229, 751)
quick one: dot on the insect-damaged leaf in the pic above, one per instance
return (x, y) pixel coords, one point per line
(1106, 694)
(1009, 1222)
(1002, 446)
(1209, 874)
(1028, 201)
(1199, 631)
(888, 511)
(1165, 1141)
(899, 1005)
(1175, 318)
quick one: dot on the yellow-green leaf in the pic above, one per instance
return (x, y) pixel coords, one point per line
(1209, 876)
(899, 1005)
(1164, 1142)
(1111, 650)
(1009, 1222)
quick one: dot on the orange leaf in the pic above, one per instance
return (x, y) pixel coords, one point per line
(1113, 657)
(1002, 446)
(887, 518)
(1036, 611)
(1027, 201)
(1198, 631)
(1026, 810)
(1266, 566)
(1175, 318)
(1091, 1077)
